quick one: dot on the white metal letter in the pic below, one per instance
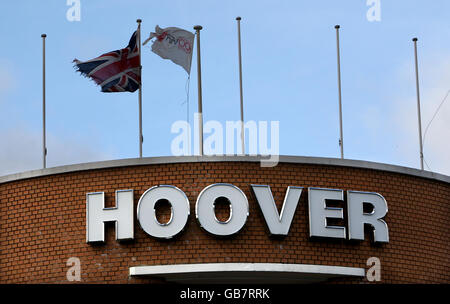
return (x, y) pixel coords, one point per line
(205, 213)
(357, 217)
(97, 215)
(319, 212)
(278, 224)
(179, 211)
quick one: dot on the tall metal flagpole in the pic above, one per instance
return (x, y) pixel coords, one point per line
(197, 28)
(44, 147)
(240, 85)
(418, 103)
(341, 138)
(141, 137)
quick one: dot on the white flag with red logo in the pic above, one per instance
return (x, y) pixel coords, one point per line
(175, 44)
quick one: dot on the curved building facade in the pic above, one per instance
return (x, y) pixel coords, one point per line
(50, 231)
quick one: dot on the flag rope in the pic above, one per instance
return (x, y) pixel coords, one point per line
(426, 129)
(187, 113)
(186, 101)
(434, 115)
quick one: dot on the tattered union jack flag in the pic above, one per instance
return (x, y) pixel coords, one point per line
(116, 71)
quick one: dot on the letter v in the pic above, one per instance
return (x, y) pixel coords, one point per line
(278, 224)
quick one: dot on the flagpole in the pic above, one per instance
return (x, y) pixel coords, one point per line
(418, 102)
(44, 147)
(141, 137)
(197, 28)
(240, 85)
(341, 138)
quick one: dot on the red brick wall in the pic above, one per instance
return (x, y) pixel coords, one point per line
(43, 223)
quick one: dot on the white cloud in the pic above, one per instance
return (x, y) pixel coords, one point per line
(21, 150)
(434, 85)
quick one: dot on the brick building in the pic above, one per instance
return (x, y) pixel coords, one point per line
(43, 223)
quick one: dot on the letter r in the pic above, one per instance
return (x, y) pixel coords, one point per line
(357, 218)
(97, 215)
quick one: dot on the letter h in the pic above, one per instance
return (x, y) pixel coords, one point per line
(97, 215)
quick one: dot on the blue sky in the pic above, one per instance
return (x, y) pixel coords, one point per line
(289, 75)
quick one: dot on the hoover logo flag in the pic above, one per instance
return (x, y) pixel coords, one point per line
(175, 44)
(116, 71)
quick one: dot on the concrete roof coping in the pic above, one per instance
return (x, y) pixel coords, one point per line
(259, 273)
(243, 158)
